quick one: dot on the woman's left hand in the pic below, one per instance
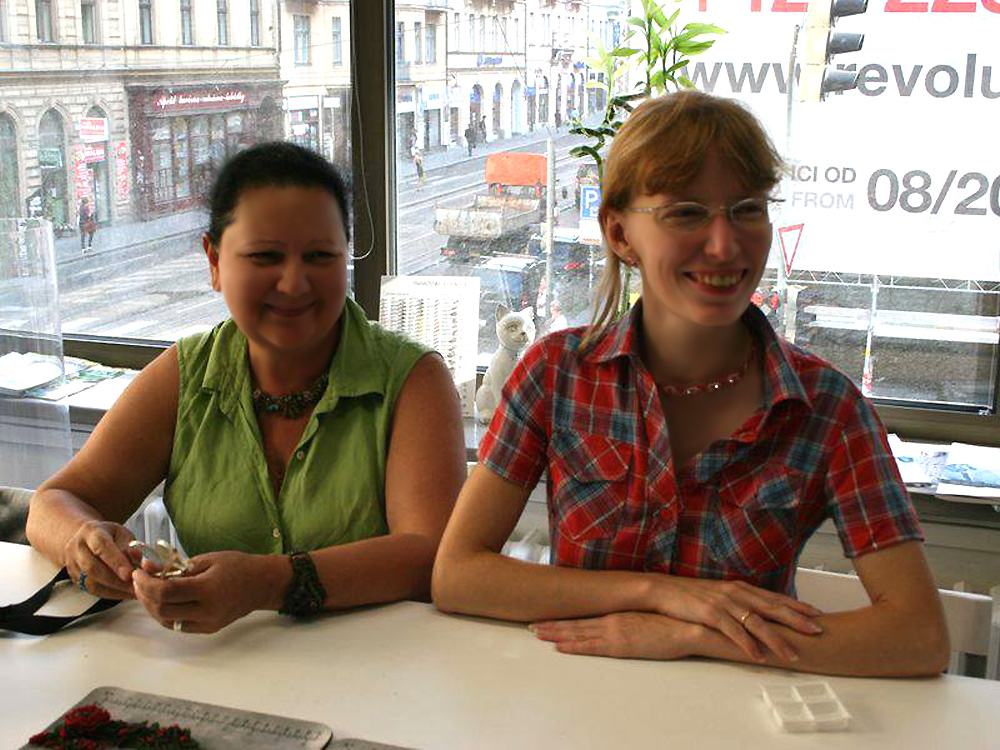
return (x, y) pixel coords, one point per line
(637, 635)
(218, 588)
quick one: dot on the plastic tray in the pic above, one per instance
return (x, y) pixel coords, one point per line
(806, 707)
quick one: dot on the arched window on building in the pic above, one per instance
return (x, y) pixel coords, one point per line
(10, 204)
(97, 155)
(52, 164)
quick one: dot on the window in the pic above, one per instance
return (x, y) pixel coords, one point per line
(222, 14)
(400, 42)
(187, 32)
(88, 21)
(482, 34)
(10, 204)
(418, 43)
(337, 42)
(43, 20)
(301, 40)
(145, 22)
(472, 33)
(431, 46)
(457, 31)
(531, 27)
(3, 21)
(254, 23)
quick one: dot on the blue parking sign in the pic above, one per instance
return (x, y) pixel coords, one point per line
(590, 201)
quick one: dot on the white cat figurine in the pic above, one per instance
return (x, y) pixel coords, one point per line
(515, 330)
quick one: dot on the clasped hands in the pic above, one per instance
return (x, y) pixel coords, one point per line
(217, 588)
(684, 614)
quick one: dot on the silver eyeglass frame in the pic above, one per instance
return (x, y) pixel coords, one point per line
(712, 212)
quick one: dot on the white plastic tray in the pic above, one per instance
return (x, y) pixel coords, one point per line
(806, 707)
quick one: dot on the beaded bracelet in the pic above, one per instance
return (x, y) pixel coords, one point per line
(305, 594)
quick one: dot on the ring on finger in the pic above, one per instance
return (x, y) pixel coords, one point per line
(178, 626)
(745, 616)
(81, 582)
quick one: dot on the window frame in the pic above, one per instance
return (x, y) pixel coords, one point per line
(50, 29)
(372, 29)
(337, 51)
(255, 23)
(147, 32)
(186, 23)
(222, 23)
(301, 34)
(95, 24)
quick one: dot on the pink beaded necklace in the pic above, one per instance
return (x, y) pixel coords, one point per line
(727, 381)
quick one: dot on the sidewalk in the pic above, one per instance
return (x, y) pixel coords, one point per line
(113, 237)
(458, 154)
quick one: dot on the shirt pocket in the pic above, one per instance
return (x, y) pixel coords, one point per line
(590, 484)
(754, 526)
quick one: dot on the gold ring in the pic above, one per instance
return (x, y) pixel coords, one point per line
(743, 619)
(178, 626)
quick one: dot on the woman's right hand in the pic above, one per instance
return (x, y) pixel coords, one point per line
(743, 613)
(100, 550)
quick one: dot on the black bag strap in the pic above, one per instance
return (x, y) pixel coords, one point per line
(21, 618)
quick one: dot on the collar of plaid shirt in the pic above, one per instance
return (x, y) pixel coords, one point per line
(781, 383)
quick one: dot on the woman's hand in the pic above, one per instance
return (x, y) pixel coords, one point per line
(220, 587)
(99, 552)
(636, 635)
(741, 612)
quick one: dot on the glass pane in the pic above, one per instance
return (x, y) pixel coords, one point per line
(884, 259)
(474, 118)
(146, 158)
(889, 224)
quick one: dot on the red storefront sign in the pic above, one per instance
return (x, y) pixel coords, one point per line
(214, 99)
(121, 171)
(93, 129)
(83, 187)
(92, 154)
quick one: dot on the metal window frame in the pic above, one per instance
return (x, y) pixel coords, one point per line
(371, 50)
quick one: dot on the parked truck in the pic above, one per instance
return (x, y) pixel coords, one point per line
(502, 217)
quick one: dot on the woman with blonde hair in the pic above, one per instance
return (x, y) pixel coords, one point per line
(690, 451)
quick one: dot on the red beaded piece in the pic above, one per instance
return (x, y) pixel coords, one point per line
(715, 385)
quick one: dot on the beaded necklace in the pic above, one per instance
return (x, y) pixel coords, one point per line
(291, 405)
(726, 381)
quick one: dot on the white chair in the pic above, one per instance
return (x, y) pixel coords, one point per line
(973, 619)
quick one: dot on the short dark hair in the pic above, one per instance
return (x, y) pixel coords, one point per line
(276, 163)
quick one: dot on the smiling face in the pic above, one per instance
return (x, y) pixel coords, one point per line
(703, 277)
(281, 265)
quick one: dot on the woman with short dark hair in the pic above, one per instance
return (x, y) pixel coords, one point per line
(303, 470)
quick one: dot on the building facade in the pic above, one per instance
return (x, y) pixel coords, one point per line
(129, 103)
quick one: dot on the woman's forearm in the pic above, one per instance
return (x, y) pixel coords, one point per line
(875, 641)
(54, 516)
(490, 585)
(380, 569)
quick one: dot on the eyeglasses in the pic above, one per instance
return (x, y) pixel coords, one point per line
(689, 216)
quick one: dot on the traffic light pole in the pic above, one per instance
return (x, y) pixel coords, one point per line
(786, 300)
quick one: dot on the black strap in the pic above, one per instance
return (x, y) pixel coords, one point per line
(21, 618)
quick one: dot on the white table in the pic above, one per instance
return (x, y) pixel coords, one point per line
(409, 675)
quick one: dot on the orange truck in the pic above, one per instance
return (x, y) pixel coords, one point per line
(501, 218)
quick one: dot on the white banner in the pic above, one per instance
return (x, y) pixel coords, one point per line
(902, 175)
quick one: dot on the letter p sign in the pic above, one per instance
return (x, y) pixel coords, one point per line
(590, 201)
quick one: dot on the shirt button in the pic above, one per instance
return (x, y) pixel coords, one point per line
(276, 533)
(301, 455)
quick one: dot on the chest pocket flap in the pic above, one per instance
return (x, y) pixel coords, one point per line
(590, 475)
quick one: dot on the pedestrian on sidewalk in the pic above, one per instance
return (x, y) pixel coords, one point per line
(558, 120)
(470, 137)
(87, 224)
(482, 129)
(418, 161)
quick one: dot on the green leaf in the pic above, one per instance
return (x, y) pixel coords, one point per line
(625, 52)
(597, 85)
(593, 62)
(656, 80)
(660, 18)
(694, 48)
(676, 66)
(637, 22)
(581, 151)
(704, 28)
(685, 82)
(673, 17)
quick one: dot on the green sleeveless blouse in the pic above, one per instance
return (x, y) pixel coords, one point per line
(218, 491)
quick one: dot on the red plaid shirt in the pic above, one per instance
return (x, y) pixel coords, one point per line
(741, 509)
